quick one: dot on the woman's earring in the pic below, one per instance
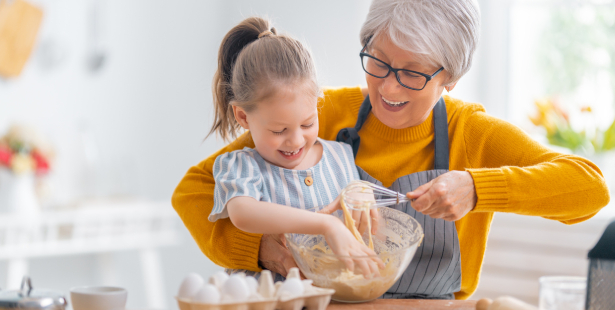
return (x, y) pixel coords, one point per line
(448, 89)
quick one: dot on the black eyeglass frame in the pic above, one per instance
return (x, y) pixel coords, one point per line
(427, 76)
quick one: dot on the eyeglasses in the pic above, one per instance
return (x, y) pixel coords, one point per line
(407, 78)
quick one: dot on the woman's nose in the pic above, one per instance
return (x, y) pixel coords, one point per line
(390, 85)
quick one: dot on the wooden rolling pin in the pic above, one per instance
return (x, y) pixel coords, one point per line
(503, 303)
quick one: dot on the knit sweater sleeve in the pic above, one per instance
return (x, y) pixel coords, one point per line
(220, 241)
(513, 173)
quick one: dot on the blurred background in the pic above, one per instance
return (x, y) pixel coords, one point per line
(113, 102)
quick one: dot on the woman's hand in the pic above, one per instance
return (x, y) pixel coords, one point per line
(342, 242)
(450, 196)
(275, 256)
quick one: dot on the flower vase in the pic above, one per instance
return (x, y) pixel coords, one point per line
(18, 193)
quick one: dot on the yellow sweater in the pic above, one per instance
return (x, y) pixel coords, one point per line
(512, 173)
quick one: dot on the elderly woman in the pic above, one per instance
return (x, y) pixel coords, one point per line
(459, 163)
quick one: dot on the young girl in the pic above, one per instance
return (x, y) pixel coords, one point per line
(266, 83)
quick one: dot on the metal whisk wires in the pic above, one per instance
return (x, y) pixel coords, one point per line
(358, 195)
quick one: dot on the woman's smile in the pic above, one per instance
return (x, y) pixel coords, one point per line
(391, 105)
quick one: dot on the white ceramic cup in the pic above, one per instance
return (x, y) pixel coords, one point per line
(98, 298)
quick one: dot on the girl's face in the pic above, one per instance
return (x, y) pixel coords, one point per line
(284, 127)
(394, 105)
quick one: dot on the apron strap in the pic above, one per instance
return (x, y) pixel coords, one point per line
(440, 135)
(351, 136)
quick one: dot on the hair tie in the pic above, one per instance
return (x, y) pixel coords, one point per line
(265, 33)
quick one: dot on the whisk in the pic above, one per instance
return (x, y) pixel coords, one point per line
(360, 195)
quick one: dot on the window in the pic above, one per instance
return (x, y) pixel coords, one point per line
(564, 51)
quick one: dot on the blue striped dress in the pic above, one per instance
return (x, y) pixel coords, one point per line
(246, 173)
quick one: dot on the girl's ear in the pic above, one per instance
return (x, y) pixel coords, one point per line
(241, 117)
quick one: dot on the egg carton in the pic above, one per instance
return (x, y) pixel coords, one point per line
(318, 299)
(270, 304)
(312, 298)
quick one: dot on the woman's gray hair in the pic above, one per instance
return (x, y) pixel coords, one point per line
(442, 32)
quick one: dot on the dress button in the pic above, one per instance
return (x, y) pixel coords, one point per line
(309, 181)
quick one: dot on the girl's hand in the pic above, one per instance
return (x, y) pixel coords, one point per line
(360, 220)
(343, 243)
(359, 217)
(332, 207)
(450, 196)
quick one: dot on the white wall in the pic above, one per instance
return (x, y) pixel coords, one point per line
(145, 114)
(147, 109)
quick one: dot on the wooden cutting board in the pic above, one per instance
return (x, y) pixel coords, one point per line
(19, 24)
(399, 304)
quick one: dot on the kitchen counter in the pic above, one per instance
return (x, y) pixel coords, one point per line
(417, 304)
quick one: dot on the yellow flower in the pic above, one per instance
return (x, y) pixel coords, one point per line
(545, 116)
(21, 163)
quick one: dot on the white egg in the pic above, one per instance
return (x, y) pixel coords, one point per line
(208, 294)
(236, 287)
(218, 279)
(291, 288)
(252, 284)
(191, 284)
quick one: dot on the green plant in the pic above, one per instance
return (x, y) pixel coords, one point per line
(577, 46)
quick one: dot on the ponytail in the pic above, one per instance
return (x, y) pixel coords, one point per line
(233, 43)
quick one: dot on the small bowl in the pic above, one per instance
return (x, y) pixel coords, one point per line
(397, 237)
(98, 298)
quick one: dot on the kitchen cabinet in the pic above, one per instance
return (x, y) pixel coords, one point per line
(521, 249)
(96, 227)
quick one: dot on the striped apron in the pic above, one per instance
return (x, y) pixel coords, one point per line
(435, 270)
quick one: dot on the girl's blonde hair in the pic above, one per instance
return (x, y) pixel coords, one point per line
(254, 61)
